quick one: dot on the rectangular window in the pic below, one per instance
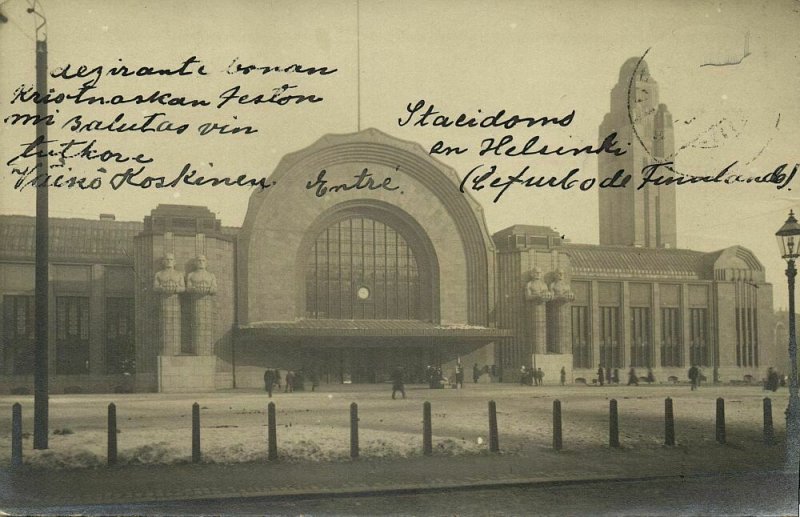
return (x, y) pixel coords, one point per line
(610, 345)
(581, 344)
(698, 332)
(72, 335)
(18, 334)
(641, 343)
(671, 339)
(120, 351)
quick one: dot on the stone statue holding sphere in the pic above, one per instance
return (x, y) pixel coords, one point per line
(169, 284)
(201, 284)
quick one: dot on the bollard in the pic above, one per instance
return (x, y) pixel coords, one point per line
(16, 435)
(112, 434)
(720, 420)
(354, 430)
(557, 425)
(613, 424)
(669, 423)
(494, 440)
(195, 433)
(769, 432)
(427, 440)
(272, 440)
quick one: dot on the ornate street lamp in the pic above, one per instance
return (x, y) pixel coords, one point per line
(789, 243)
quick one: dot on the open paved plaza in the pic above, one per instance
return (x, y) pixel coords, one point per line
(315, 426)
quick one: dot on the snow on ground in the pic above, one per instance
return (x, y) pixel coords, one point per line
(313, 427)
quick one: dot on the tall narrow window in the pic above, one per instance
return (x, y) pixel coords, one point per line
(120, 352)
(698, 346)
(671, 341)
(610, 345)
(72, 335)
(18, 335)
(581, 344)
(641, 342)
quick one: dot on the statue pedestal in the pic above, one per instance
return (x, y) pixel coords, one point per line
(186, 373)
(551, 366)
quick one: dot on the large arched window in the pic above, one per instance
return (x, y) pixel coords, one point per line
(363, 268)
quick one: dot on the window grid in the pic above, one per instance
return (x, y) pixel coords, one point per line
(362, 252)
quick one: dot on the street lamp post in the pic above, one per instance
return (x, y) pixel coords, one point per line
(42, 262)
(789, 243)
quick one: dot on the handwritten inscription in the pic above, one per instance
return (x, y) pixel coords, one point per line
(362, 181)
(84, 162)
(506, 146)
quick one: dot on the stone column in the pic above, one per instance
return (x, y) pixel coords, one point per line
(170, 324)
(169, 284)
(538, 294)
(202, 286)
(539, 323)
(562, 297)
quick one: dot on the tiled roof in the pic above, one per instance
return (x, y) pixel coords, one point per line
(368, 328)
(78, 240)
(627, 261)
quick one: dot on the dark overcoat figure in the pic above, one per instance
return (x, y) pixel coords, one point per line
(632, 378)
(563, 376)
(269, 381)
(476, 373)
(601, 375)
(694, 376)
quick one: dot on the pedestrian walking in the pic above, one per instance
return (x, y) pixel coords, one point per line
(615, 378)
(476, 373)
(563, 376)
(650, 377)
(269, 381)
(694, 377)
(600, 374)
(632, 378)
(459, 375)
(397, 383)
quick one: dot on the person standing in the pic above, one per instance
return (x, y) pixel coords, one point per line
(397, 383)
(563, 376)
(650, 377)
(314, 380)
(523, 374)
(289, 382)
(694, 376)
(601, 375)
(476, 373)
(539, 377)
(459, 375)
(615, 377)
(269, 381)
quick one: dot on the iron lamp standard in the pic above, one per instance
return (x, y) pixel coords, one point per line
(789, 243)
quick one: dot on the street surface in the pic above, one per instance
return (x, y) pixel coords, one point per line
(750, 494)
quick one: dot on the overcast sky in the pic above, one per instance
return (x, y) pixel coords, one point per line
(533, 58)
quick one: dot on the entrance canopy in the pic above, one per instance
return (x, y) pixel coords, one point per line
(388, 329)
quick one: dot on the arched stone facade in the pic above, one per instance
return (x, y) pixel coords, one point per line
(443, 223)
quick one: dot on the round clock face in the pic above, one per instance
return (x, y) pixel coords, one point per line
(362, 293)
